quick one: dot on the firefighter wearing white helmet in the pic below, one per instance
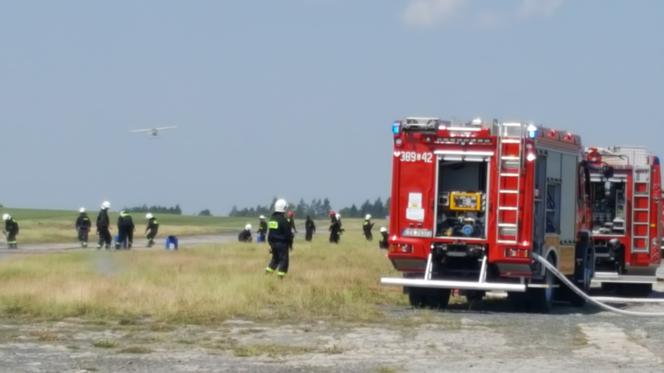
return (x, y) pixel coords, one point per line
(104, 226)
(245, 234)
(126, 229)
(280, 238)
(335, 228)
(367, 226)
(151, 229)
(10, 231)
(383, 244)
(262, 229)
(83, 225)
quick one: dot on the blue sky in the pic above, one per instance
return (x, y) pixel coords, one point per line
(295, 97)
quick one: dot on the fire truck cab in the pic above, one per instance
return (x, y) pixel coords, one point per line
(626, 217)
(471, 202)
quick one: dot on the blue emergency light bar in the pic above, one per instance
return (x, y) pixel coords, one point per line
(396, 126)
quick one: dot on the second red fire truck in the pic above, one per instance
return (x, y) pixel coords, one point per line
(626, 217)
(473, 202)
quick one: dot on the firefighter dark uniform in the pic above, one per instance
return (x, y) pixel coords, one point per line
(125, 231)
(335, 229)
(309, 229)
(280, 238)
(262, 230)
(367, 226)
(103, 229)
(244, 236)
(83, 225)
(383, 244)
(151, 230)
(11, 231)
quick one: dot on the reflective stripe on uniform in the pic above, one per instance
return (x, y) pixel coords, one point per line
(268, 269)
(281, 274)
(273, 224)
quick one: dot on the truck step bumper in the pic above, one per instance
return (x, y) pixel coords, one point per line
(449, 284)
(613, 277)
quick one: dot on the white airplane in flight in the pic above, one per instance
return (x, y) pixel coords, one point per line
(153, 131)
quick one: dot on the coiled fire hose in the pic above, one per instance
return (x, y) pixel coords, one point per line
(588, 298)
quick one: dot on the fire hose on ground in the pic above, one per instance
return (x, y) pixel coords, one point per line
(550, 267)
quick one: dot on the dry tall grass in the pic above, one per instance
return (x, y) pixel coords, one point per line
(201, 285)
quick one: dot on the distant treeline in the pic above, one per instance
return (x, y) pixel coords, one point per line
(319, 208)
(176, 210)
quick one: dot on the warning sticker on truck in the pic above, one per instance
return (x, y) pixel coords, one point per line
(415, 211)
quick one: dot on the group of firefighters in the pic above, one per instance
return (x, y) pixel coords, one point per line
(125, 224)
(83, 224)
(280, 231)
(336, 229)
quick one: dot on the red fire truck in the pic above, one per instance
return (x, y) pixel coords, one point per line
(472, 202)
(626, 217)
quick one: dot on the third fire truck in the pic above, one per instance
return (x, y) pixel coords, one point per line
(626, 217)
(472, 203)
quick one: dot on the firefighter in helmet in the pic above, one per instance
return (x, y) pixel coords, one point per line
(104, 226)
(383, 244)
(335, 228)
(367, 226)
(125, 231)
(10, 231)
(151, 229)
(309, 228)
(245, 234)
(262, 229)
(83, 225)
(280, 238)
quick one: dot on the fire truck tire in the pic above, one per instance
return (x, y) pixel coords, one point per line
(583, 274)
(416, 297)
(635, 290)
(541, 299)
(429, 298)
(518, 300)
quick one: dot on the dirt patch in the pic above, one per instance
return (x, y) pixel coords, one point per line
(411, 340)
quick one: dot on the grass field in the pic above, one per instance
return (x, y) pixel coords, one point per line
(206, 284)
(54, 226)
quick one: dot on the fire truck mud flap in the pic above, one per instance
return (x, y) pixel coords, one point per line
(448, 284)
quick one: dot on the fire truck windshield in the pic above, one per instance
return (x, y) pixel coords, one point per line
(462, 190)
(608, 199)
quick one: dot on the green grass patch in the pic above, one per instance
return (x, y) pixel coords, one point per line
(135, 350)
(104, 344)
(271, 350)
(203, 285)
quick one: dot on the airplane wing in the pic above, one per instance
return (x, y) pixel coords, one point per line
(141, 130)
(166, 128)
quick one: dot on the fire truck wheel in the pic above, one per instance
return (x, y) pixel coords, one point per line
(416, 297)
(518, 300)
(541, 299)
(438, 298)
(635, 290)
(430, 298)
